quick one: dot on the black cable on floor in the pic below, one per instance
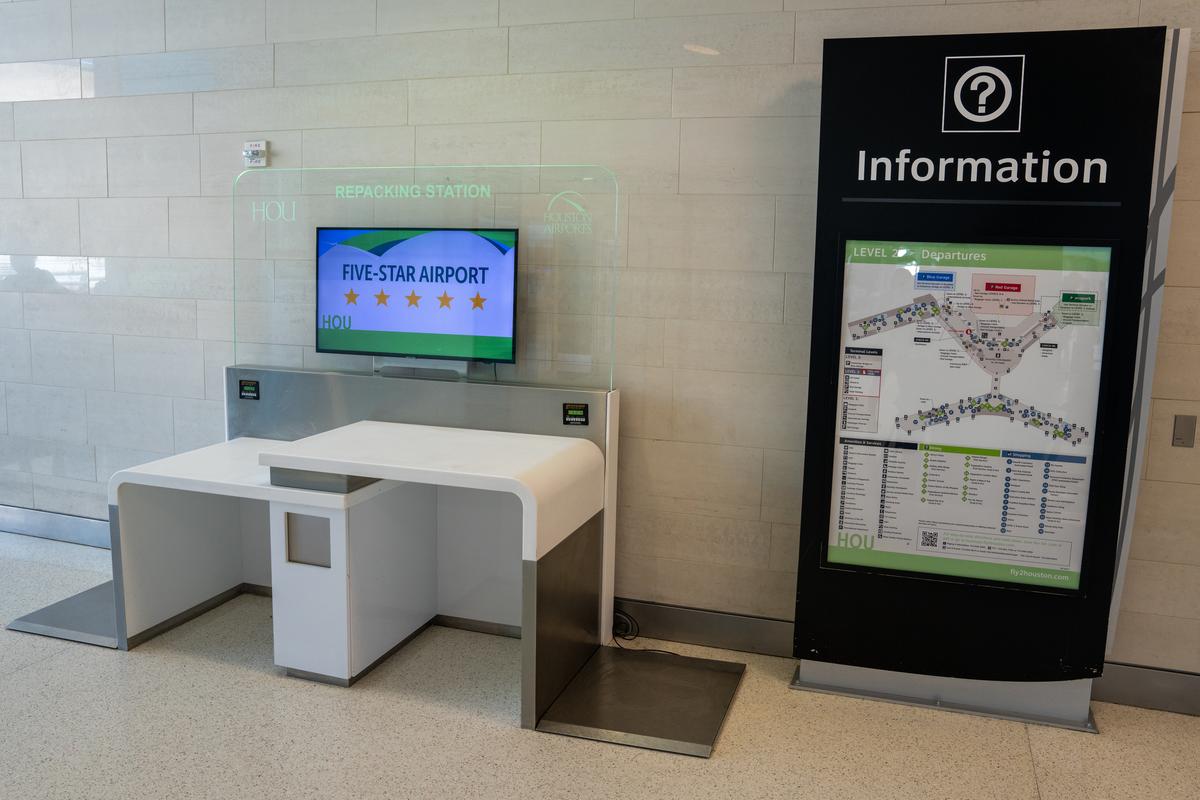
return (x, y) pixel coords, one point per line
(627, 628)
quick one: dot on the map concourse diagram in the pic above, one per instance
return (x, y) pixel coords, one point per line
(967, 398)
(996, 356)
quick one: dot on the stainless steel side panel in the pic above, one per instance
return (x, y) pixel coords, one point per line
(559, 623)
(298, 403)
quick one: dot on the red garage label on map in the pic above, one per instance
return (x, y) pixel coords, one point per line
(999, 293)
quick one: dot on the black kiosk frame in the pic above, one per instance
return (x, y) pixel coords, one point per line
(1071, 95)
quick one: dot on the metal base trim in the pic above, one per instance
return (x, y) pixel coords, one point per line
(478, 626)
(1128, 684)
(772, 637)
(1148, 687)
(961, 708)
(353, 679)
(88, 617)
(317, 677)
(629, 739)
(657, 701)
(182, 617)
(59, 527)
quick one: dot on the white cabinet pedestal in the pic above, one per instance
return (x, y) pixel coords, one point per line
(351, 585)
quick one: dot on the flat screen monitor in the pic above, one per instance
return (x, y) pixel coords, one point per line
(446, 293)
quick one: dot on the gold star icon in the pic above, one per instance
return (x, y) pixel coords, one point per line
(444, 300)
(477, 301)
(413, 298)
(351, 298)
(381, 298)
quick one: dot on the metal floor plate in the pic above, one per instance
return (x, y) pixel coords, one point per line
(89, 617)
(647, 699)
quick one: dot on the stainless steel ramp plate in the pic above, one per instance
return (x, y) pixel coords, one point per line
(89, 617)
(647, 699)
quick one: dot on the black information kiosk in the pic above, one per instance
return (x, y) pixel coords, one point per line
(987, 259)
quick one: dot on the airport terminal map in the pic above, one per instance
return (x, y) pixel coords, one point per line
(967, 398)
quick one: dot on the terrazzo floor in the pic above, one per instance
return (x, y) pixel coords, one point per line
(202, 712)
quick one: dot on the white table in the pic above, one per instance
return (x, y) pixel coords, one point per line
(191, 531)
(493, 530)
(559, 481)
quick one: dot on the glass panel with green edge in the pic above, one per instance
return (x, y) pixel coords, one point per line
(396, 293)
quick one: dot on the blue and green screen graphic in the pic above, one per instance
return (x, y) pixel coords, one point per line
(417, 292)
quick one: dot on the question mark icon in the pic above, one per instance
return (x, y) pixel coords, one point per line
(983, 81)
(989, 86)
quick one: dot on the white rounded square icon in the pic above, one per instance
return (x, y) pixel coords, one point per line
(983, 94)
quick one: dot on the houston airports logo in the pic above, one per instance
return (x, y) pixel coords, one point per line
(982, 94)
(566, 215)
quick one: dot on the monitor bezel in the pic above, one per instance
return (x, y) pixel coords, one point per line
(516, 232)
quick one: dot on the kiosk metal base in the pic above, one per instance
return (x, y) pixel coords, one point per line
(89, 617)
(658, 701)
(1058, 704)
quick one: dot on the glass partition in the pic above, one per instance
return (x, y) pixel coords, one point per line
(568, 245)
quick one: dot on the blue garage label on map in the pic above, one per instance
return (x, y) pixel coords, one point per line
(934, 280)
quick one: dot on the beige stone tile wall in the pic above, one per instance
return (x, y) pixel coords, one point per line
(121, 124)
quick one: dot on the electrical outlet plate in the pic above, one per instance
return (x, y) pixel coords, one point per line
(1184, 431)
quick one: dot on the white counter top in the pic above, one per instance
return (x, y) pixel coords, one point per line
(229, 468)
(559, 480)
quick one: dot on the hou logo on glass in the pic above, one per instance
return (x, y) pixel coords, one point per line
(982, 94)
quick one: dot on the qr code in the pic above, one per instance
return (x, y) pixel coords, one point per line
(929, 539)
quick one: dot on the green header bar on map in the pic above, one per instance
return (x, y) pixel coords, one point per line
(994, 256)
(966, 451)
